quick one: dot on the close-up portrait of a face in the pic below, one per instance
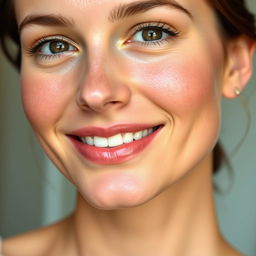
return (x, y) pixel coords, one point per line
(127, 128)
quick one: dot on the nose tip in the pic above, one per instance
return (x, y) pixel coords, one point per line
(98, 102)
(98, 94)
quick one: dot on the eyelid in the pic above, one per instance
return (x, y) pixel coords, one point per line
(153, 45)
(160, 24)
(40, 42)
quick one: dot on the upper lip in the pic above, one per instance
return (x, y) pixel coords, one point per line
(111, 130)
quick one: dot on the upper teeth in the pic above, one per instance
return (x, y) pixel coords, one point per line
(115, 140)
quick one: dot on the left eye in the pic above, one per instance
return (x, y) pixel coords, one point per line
(150, 34)
(55, 47)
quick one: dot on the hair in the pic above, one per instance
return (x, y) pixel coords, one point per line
(233, 16)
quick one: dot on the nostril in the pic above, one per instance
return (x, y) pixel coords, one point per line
(112, 102)
(83, 105)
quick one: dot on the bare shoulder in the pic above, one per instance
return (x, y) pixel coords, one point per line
(35, 243)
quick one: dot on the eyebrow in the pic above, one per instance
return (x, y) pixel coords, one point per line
(47, 20)
(126, 10)
(120, 12)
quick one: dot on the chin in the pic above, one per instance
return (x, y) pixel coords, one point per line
(118, 192)
(117, 201)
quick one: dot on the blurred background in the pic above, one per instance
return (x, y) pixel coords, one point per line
(33, 193)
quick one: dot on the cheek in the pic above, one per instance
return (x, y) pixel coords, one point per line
(178, 86)
(186, 92)
(43, 98)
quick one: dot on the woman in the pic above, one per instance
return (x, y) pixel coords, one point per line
(90, 71)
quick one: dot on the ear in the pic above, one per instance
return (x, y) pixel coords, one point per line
(238, 67)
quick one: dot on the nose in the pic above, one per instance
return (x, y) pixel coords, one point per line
(102, 90)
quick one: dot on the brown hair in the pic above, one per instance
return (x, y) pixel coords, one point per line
(234, 19)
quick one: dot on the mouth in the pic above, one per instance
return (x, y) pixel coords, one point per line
(122, 144)
(117, 139)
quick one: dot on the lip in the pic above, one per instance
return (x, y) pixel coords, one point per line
(115, 155)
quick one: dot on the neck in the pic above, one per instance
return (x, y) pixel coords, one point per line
(179, 221)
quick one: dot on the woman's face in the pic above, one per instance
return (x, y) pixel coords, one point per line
(100, 72)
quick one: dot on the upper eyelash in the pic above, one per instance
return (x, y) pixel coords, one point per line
(39, 43)
(166, 28)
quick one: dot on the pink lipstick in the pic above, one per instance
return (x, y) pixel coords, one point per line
(115, 144)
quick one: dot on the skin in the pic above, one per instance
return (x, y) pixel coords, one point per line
(133, 207)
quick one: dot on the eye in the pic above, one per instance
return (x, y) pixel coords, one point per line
(55, 47)
(152, 33)
(50, 49)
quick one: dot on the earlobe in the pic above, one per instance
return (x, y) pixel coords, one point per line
(239, 66)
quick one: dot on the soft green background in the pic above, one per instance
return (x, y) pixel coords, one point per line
(33, 193)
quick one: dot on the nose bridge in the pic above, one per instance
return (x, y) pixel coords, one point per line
(96, 86)
(97, 74)
(95, 61)
(100, 87)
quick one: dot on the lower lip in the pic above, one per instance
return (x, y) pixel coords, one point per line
(115, 155)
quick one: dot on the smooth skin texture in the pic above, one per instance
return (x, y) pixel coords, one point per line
(160, 202)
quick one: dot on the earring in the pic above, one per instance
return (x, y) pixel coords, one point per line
(237, 91)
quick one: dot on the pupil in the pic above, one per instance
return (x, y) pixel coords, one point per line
(152, 34)
(57, 47)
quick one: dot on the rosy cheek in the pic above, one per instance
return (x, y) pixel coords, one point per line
(177, 85)
(43, 98)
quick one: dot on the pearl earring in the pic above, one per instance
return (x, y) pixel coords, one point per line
(237, 91)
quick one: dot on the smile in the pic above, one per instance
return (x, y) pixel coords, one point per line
(114, 145)
(116, 140)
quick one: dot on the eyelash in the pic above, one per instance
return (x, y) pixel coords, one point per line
(35, 49)
(160, 26)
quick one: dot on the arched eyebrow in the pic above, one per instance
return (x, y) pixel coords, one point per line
(120, 12)
(46, 20)
(130, 9)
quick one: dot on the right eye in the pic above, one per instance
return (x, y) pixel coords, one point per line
(55, 47)
(48, 49)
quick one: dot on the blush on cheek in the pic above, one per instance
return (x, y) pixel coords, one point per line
(177, 85)
(43, 99)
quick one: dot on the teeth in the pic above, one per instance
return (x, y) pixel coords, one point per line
(100, 142)
(128, 137)
(117, 139)
(137, 135)
(144, 133)
(89, 140)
